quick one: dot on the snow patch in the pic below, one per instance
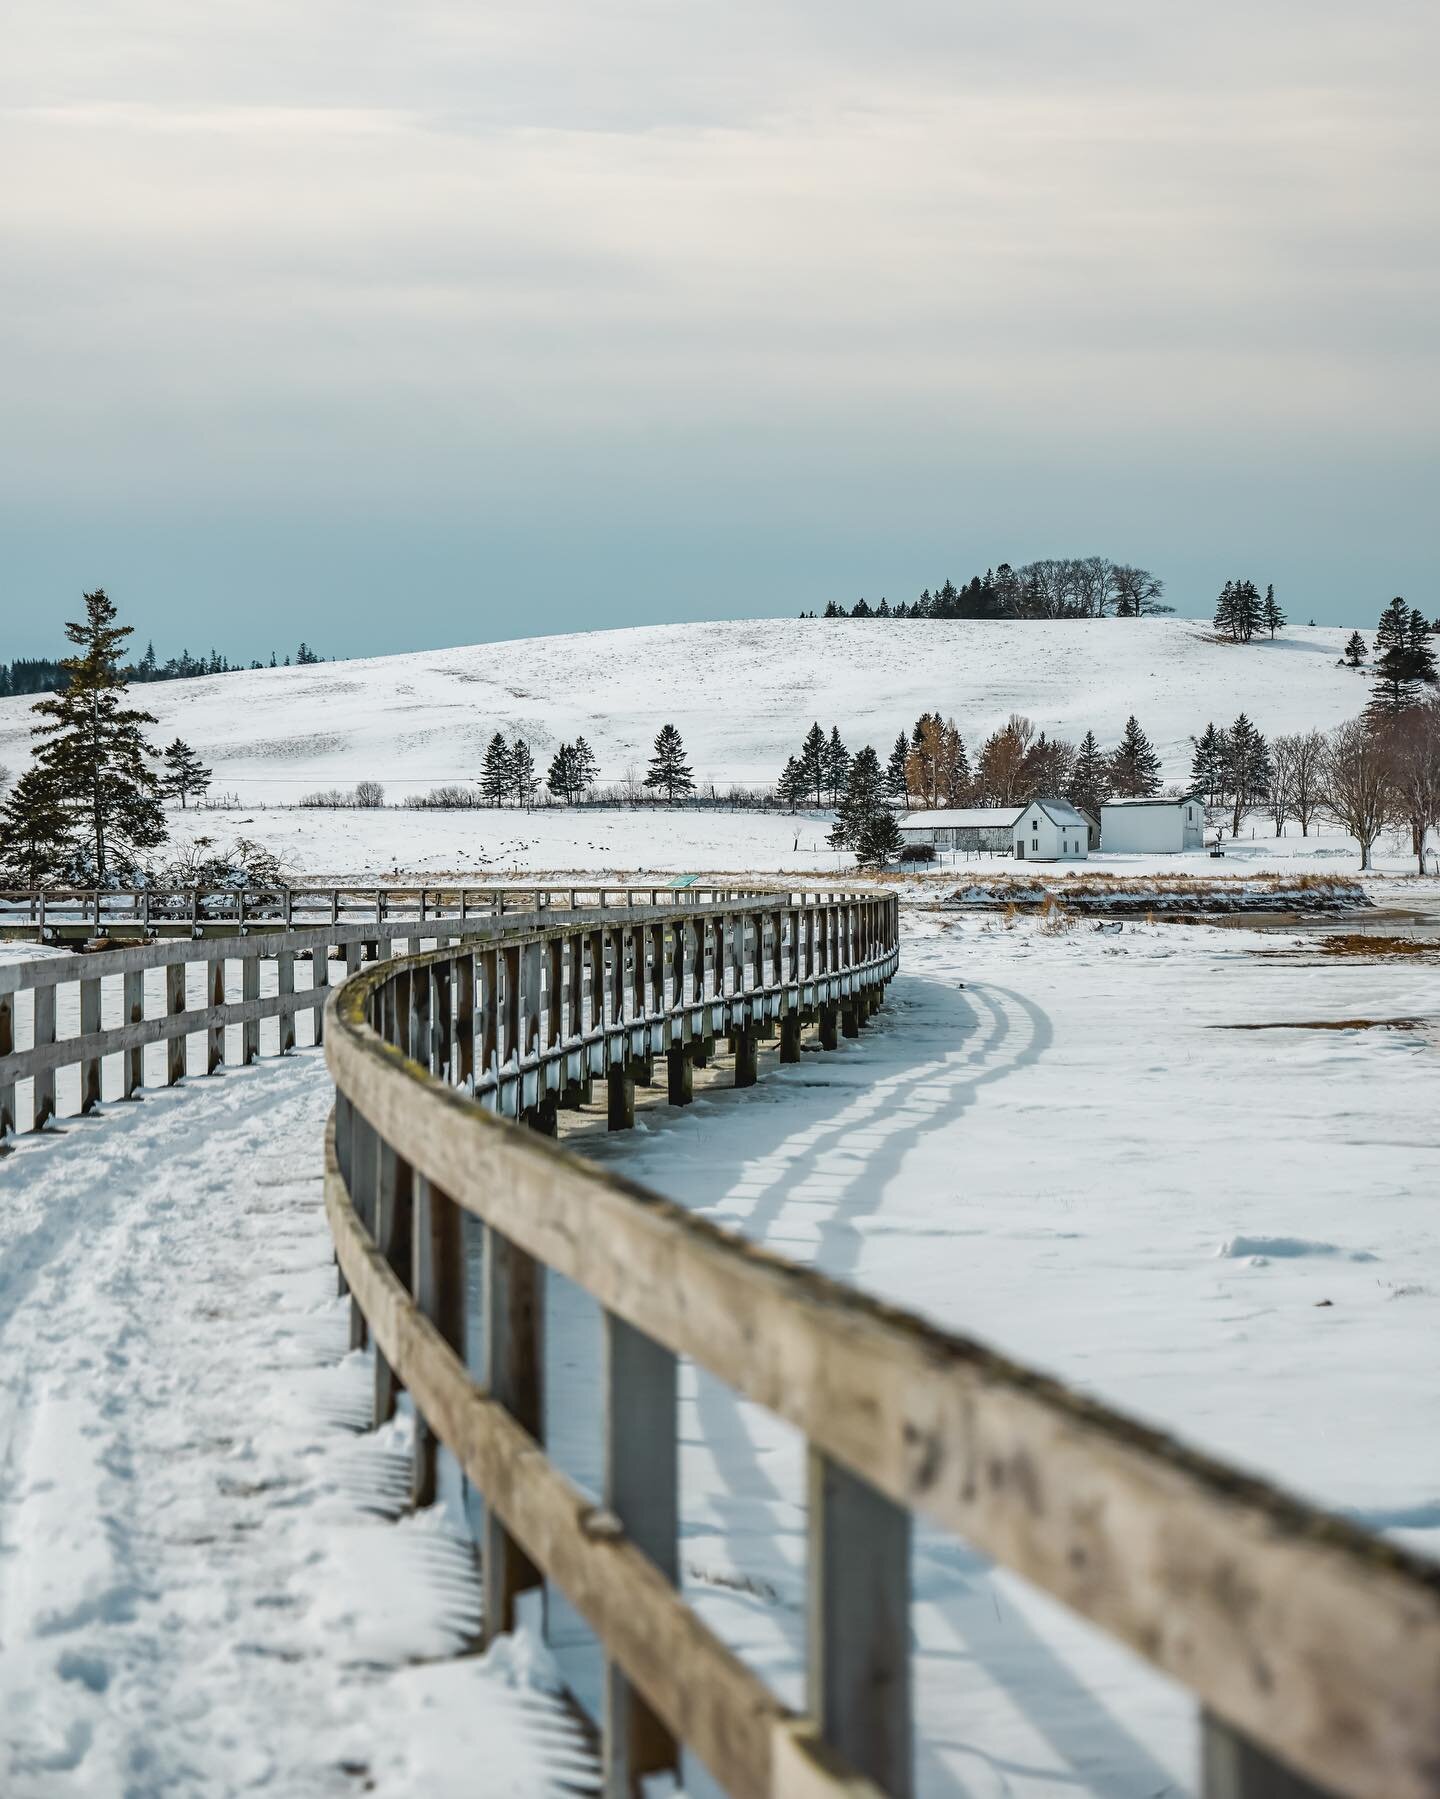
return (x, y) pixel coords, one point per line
(1262, 1249)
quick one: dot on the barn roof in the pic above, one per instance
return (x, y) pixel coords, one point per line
(996, 818)
(1183, 800)
(1059, 812)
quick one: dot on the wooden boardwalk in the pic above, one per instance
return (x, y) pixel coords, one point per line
(1312, 1648)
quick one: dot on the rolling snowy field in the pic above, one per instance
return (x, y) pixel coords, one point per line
(742, 694)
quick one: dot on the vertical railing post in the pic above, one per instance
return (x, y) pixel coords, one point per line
(395, 1237)
(215, 996)
(489, 1042)
(132, 1060)
(1232, 1767)
(89, 1026)
(642, 1489)
(285, 987)
(514, 1326)
(465, 1017)
(174, 1008)
(320, 987)
(250, 990)
(360, 1177)
(858, 1663)
(7, 1048)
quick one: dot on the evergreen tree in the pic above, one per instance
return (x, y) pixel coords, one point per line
(812, 763)
(863, 798)
(36, 830)
(878, 840)
(1238, 611)
(1090, 779)
(561, 778)
(523, 781)
(495, 776)
(790, 789)
(586, 767)
(93, 747)
(1207, 765)
(147, 669)
(1404, 662)
(837, 765)
(1271, 617)
(1355, 650)
(896, 783)
(954, 779)
(1134, 766)
(669, 771)
(1247, 770)
(184, 773)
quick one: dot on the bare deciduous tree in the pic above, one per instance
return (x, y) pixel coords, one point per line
(1359, 791)
(1412, 745)
(1305, 751)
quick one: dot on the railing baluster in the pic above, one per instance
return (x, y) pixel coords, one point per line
(642, 1489)
(394, 1235)
(1231, 1767)
(89, 1025)
(7, 1048)
(43, 1089)
(250, 990)
(858, 1662)
(514, 1326)
(285, 986)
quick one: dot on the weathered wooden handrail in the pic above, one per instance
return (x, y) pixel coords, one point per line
(1312, 1647)
(170, 1018)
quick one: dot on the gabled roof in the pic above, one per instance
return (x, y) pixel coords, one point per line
(1059, 812)
(993, 818)
(1185, 799)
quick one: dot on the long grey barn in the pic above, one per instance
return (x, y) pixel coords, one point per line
(962, 828)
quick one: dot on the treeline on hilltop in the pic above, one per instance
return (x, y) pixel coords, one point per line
(42, 674)
(1055, 587)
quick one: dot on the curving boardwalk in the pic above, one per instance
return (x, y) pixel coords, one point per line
(1312, 1649)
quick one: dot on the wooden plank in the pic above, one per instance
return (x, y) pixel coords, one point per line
(858, 1663)
(7, 1048)
(43, 1036)
(215, 1033)
(1233, 1768)
(250, 991)
(394, 1237)
(1187, 1561)
(132, 1057)
(642, 1489)
(89, 1027)
(285, 985)
(437, 1263)
(513, 1320)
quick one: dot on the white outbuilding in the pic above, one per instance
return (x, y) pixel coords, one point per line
(1051, 831)
(1152, 827)
(972, 828)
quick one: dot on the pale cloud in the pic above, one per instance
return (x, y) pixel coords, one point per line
(294, 253)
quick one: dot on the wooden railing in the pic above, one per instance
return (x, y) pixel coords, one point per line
(75, 913)
(1313, 1650)
(113, 982)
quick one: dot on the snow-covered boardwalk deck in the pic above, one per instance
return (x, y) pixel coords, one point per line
(204, 1586)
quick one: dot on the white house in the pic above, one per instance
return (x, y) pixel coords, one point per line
(1156, 827)
(962, 828)
(1051, 831)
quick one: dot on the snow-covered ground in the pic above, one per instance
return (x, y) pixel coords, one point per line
(395, 843)
(204, 1586)
(1048, 1138)
(742, 693)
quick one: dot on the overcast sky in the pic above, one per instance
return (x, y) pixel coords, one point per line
(390, 326)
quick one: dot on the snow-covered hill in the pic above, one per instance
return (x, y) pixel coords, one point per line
(742, 694)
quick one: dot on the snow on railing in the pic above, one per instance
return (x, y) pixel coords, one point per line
(1313, 1648)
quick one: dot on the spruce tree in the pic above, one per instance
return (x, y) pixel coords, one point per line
(812, 763)
(1247, 769)
(837, 765)
(1090, 779)
(1404, 662)
(879, 840)
(1207, 765)
(896, 782)
(522, 772)
(1134, 766)
(560, 778)
(495, 776)
(1271, 616)
(586, 767)
(36, 830)
(669, 771)
(1355, 650)
(1225, 611)
(93, 747)
(790, 789)
(184, 773)
(863, 798)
